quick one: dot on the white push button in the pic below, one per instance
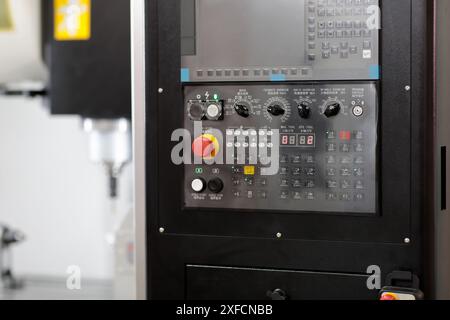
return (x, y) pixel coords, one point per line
(198, 185)
(213, 111)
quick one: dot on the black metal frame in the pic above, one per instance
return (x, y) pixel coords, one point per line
(329, 243)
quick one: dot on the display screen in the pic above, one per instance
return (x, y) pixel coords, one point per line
(294, 140)
(261, 40)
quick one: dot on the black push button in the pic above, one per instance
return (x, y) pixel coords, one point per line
(215, 185)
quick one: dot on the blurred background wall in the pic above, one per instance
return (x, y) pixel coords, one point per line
(52, 192)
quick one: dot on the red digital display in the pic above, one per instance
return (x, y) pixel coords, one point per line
(294, 140)
(306, 140)
(288, 139)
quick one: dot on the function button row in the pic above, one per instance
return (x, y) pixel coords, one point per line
(345, 135)
(357, 197)
(249, 181)
(359, 160)
(250, 194)
(249, 132)
(345, 184)
(284, 171)
(349, 24)
(297, 195)
(297, 183)
(345, 147)
(331, 34)
(345, 172)
(308, 159)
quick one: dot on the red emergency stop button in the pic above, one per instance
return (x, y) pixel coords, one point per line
(206, 146)
(389, 296)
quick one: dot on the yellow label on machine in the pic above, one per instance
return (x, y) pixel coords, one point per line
(72, 20)
(6, 23)
(249, 170)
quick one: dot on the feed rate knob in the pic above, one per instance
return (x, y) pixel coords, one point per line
(242, 110)
(215, 185)
(304, 110)
(198, 185)
(276, 110)
(332, 109)
(206, 147)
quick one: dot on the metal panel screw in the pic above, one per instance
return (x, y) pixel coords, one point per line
(407, 88)
(407, 240)
(161, 230)
(279, 235)
(160, 90)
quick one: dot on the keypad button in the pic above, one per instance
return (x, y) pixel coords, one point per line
(359, 185)
(309, 159)
(346, 197)
(359, 197)
(331, 147)
(331, 160)
(332, 184)
(332, 196)
(297, 195)
(296, 159)
(358, 172)
(331, 172)
(346, 184)
(296, 184)
(310, 171)
(310, 184)
(284, 195)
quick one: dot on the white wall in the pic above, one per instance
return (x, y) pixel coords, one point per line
(50, 190)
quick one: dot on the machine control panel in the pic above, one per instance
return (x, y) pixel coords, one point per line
(305, 147)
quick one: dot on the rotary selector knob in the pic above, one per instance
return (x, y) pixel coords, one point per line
(276, 110)
(304, 110)
(196, 110)
(242, 109)
(215, 185)
(198, 185)
(332, 109)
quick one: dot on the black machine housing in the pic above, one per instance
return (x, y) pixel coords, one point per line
(222, 253)
(91, 78)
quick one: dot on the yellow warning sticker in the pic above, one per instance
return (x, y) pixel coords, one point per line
(6, 23)
(72, 20)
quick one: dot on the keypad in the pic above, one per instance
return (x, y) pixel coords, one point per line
(337, 29)
(345, 169)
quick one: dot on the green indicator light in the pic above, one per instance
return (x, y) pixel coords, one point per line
(198, 170)
(216, 97)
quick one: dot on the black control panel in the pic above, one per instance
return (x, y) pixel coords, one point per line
(308, 147)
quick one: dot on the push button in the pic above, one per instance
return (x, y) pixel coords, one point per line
(206, 146)
(198, 185)
(215, 185)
